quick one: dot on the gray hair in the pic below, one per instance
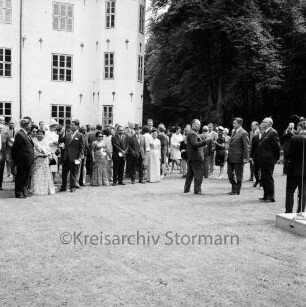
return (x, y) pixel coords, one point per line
(268, 120)
(24, 122)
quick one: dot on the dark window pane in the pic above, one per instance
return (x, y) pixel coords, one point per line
(68, 63)
(54, 74)
(61, 108)
(53, 114)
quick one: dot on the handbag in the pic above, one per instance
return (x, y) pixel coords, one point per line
(52, 161)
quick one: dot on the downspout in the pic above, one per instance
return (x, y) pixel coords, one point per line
(20, 62)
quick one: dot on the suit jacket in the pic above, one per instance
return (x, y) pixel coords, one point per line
(4, 146)
(136, 149)
(23, 149)
(239, 147)
(119, 145)
(296, 157)
(194, 146)
(74, 148)
(268, 148)
(254, 147)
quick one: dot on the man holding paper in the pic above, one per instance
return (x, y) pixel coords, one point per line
(73, 154)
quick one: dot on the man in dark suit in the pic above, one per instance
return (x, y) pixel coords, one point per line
(268, 154)
(195, 158)
(120, 148)
(253, 156)
(296, 171)
(238, 155)
(3, 151)
(11, 135)
(73, 154)
(23, 157)
(137, 150)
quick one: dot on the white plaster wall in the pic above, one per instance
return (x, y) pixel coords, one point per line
(88, 63)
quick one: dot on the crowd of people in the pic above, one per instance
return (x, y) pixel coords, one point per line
(33, 155)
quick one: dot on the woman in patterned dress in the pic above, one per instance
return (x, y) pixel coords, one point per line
(41, 178)
(99, 155)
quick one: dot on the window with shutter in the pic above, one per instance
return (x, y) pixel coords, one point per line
(5, 11)
(63, 16)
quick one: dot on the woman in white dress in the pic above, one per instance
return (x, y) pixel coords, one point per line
(175, 152)
(154, 158)
(52, 140)
(148, 139)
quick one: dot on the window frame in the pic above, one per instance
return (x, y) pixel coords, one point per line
(4, 63)
(60, 17)
(141, 19)
(106, 119)
(111, 16)
(140, 69)
(59, 67)
(109, 66)
(64, 121)
(4, 103)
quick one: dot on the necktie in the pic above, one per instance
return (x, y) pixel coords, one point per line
(234, 133)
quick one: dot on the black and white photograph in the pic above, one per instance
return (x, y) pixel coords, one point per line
(152, 153)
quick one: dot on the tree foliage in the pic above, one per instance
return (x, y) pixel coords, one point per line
(215, 59)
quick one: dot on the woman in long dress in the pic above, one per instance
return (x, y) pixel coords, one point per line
(154, 159)
(175, 152)
(41, 178)
(99, 155)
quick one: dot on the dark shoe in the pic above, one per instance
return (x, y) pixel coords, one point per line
(121, 183)
(255, 184)
(21, 196)
(199, 193)
(250, 179)
(77, 187)
(72, 190)
(184, 176)
(142, 182)
(133, 182)
(262, 198)
(186, 191)
(62, 190)
(114, 184)
(1, 189)
(269, 201)
(233, 193)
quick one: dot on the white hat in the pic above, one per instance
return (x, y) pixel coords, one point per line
(53, 122)
(220, 128)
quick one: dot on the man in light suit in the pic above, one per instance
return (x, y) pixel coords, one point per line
(195, 156)
(23, 157)
(238, 155)
(120, 148)
(3, 151)
(73, 155)
(137, 150)
(268, 153)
